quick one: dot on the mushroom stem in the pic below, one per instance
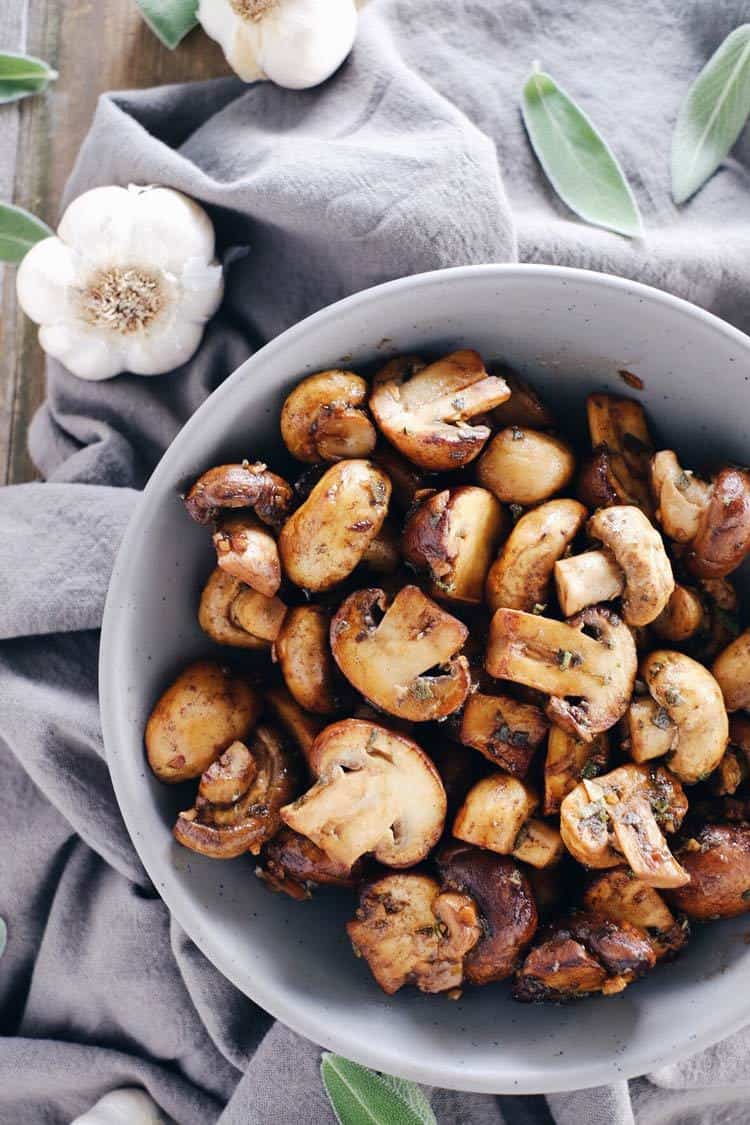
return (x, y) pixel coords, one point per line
(587, 579)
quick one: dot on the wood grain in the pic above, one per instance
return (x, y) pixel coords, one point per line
(95, 45)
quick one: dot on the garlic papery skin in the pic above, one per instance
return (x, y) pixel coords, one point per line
(127, 284)
(128, 1106)
(294, 43)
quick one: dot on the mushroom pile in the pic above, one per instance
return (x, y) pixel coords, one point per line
(494, 688)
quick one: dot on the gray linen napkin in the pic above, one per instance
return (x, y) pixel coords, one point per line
(411, 158)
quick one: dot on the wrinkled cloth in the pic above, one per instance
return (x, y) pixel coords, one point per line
(411, 158)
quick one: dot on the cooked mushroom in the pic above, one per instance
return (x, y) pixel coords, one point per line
(229, 776)
(622, 813)
(590, 681)
(681, 496)
(505, 903)
(692, 708)
(581, 955)
(717, 859)
(411, 932)
(425, 411)
(637, 550)
(390, 660)
(721, 605)
(377, 791)
(618, 470)
(650, 731)
(734, 768)
(303, 651)
(325, 539)
(587, 579)
(522, 466)
(383, 554)
(731, 670)
(246, 550)
(234, 614)
(569, 759)
(453, 535)
(521, 576)
(407, 480)
(292, 864)
(682, 618)
(197, 718)
(618, 895)
(324, 418)
(505, 730)
(497, 814)
(524, 408)
(240, 486)
(302, 727)
(223, 831)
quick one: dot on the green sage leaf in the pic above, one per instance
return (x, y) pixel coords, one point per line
(3, 936)
(712, 115)
(170, 20)
(22, 75)
(576, 159)
(19, 230)
(361, 1097)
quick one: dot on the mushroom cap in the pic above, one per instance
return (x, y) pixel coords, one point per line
(616, 894)
(506, 906)
(232, 613)
(683, 616)
(731, 670)
(717, 859)
(377, 791)
(681, 497)
(411, 932)
(424, 410)
(693, 702)
(639, 551)
(303, 651)
(623, 447)
(589, 680)
(525, 466)
(206, 709)
(387, 660)
(240, 486)
(722, 541)
(229, 776)
(326, 538)
(521, 575)
(246, 550)
(324, 419)
(293, 864)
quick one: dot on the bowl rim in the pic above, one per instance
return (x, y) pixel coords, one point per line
(377, 1055)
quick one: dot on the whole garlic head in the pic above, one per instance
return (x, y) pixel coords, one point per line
(294, 43)
(127, 284)
(129, 1106)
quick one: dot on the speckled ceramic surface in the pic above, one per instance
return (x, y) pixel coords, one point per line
(571, 332)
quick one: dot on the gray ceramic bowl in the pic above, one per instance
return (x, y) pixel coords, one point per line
(571, 331)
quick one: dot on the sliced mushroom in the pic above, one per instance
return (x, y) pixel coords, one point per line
(618, 895)
(581, 955)
(618, 471)
(692, 701)
(240, 486)
(453, 535)
(497, 814)
(390, 661)
(377, 791)
(234, 614)
(622, 814)
(731, 670)
(590, 681)
(522, 466)
(205, 710)
(734, 768)
(521, 576)
(717, 859)
(303, 651)
(425, 410)
(224, 831)
(293, 865)
(524, 408)
(301, 727)
(682, 618)
(229, 776)
(681, 496)
(505, 903)
(505, 730)
(569, 759)
(411, 932)
(326, 538)
(650, 731)
(246, 550)
(324, 418)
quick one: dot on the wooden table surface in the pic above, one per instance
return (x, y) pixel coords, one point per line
(95, 45)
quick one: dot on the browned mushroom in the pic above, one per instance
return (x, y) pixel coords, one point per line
(618, 470)
(731, 670)
(425, 410)
(521, 576)
(682, 618)
(717, 859)
(411, 932)
(619, 895)
(522, 466)
(569, 760)
(300, 726)
(246, 550)
(497, 815)
(524, 408)
(293, 865)
(324, 418)
(240, 486)
(505, 730)
(303, 651)
(235, 614)
(407, 480)
(506, 906)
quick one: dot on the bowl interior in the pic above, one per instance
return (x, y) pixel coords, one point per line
(571, 332)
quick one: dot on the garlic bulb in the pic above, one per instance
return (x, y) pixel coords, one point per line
(123, 1107)
(127, 284)
(295, 43)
